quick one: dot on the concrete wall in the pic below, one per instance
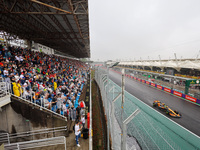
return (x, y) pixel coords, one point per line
(19, 117)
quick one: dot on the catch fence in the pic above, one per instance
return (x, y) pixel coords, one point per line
(149, 128)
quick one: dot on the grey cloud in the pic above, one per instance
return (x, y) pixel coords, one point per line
(140, 28)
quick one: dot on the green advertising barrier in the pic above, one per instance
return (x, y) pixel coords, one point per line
(187, 84)
(152, 129)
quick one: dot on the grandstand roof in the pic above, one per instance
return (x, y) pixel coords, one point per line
(60, 24)
(190, 64)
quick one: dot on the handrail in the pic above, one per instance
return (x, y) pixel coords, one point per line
(41, 108)
(37, 143)
(6, 137)
(8, 91)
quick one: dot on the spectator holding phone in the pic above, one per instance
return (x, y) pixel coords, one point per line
(77, 132)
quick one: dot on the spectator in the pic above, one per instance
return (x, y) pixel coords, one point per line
(16, 89)
(54, 102)
(59, 102)
(73, 113)
(38, 73)
(64, 108)
(82, 112)
(77, 132)
(78, 109)
(82, 104)
(83, 120)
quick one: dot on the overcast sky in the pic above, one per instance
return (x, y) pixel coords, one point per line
(138, 29)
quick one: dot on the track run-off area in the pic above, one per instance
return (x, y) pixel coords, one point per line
(190, 112)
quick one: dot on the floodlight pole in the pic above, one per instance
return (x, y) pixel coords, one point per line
(122, 109)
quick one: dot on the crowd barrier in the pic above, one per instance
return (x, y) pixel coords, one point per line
(168, 90)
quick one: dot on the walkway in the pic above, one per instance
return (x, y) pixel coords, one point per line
(71, 143)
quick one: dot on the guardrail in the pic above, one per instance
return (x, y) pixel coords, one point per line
(151, 129)
(37, 143)
(7, 138)
(4, 94)
(5, 88)
(39, 107)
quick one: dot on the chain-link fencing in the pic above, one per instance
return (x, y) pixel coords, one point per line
(149, 128)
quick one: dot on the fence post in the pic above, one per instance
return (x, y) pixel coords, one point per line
(18, 146)
(113, 126)
(10, 88)
(41, 103)
(20, 92)
(108, 117)
(125, 122)
(122, 108)
(112, 117)
(6, 88)
(34, 98)
(31, 96)
(65, 143)
(8, 138)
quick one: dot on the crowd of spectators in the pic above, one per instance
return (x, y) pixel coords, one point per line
(51, 81)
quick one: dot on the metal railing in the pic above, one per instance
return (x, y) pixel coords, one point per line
(5, 88)
(40, 107)
(151, 129)
(7, 138)
(4, 94)
(37, 143)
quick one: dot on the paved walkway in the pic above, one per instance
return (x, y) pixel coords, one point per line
(71, 143)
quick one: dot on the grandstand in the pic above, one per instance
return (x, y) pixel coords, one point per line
(42, 78)
(61, 25)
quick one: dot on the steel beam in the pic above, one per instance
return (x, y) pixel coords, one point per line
(67, 12)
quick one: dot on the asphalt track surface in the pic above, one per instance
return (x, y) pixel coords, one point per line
(190, 112)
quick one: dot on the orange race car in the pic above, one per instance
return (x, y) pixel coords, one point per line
(174, 113)
(160, 105)
(168, 110)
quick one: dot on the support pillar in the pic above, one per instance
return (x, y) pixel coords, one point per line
(29, 43)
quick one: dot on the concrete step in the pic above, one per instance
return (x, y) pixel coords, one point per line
(4, 100)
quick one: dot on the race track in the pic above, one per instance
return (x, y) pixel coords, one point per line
(190, 112)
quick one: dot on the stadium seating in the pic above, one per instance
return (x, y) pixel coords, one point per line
(43, 79)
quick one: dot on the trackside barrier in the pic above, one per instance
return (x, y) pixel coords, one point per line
(151, 129)
(187, 97)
